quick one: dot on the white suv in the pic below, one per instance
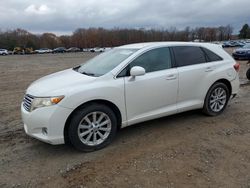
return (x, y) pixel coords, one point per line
(87, 104)
(3, 52)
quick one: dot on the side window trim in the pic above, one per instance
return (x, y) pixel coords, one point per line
(173, 64)
(173, 60)
(205, 54)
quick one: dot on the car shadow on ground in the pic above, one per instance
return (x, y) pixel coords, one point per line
(172, 127)
(167, 123)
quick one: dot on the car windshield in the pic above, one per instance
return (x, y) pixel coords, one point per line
(105, 62)
(246, 46)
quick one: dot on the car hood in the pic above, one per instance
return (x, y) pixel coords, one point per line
(59, 83)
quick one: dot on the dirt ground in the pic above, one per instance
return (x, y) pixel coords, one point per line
(184, 150)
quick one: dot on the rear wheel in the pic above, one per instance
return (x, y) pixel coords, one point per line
(248, 74)
(92, 127)
(216, 99)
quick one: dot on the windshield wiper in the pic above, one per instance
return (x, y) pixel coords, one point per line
(88, 73)
(76, 68)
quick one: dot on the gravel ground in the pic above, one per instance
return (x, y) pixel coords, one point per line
(184, 150)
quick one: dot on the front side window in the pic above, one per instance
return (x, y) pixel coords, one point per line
(188, 55)
(153, 60)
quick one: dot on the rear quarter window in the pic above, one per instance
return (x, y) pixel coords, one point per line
(211, 56)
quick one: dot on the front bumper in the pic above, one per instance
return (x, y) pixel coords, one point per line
(46, 123)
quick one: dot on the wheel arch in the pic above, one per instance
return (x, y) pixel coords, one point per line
(227, 83)
(99, 101)
(224, 81)
(205, 108)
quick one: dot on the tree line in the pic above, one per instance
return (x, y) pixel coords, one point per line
(101, 37)
(245, 32)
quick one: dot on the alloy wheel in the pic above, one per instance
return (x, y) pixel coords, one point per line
(218, 99)
(94, 128)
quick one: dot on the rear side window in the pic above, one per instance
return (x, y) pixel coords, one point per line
(188, 55)
(211, 56)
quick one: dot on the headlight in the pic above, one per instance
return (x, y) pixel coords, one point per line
(39, 102)
(248, 52)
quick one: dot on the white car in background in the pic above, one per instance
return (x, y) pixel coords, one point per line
(43, 50)
(4, 52)
(87, 104)
(97, 49)
(107, 49)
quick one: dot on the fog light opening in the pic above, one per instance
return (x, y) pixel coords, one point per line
(44, 131)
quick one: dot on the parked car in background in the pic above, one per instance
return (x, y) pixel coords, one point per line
(4, 52)
(23, 50)
(43, 50)
(87, 104)
(59, 50)
(236, 43)
(107, 49)
(227, 44)
(73, 49)
(86, 49)
(97, 49)
(242, 53)
(241, 44)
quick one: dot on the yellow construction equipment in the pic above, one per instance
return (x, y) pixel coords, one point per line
(23, 50)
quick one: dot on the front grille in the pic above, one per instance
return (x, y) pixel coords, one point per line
(27, 100)
(240, 52)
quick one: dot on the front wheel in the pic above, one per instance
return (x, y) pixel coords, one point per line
(92, 127)
(248, 74)
(216, 99)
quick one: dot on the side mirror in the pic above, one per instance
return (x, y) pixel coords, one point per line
(137, 71)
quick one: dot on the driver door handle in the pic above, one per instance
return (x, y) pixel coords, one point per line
(171, 77)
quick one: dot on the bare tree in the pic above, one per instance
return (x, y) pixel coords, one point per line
(93, 37)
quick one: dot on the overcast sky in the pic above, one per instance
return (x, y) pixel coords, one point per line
(64, 16)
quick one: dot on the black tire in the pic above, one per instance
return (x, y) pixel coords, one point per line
(207, 109)
(248, 74)
(78, 117)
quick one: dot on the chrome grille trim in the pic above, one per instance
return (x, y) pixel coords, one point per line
(240, 52)
(27, 101)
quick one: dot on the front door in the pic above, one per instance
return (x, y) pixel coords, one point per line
(154, 94)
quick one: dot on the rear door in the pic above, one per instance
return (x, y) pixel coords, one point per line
(194, 72)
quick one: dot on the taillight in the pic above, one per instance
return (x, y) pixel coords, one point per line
(237, 67)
